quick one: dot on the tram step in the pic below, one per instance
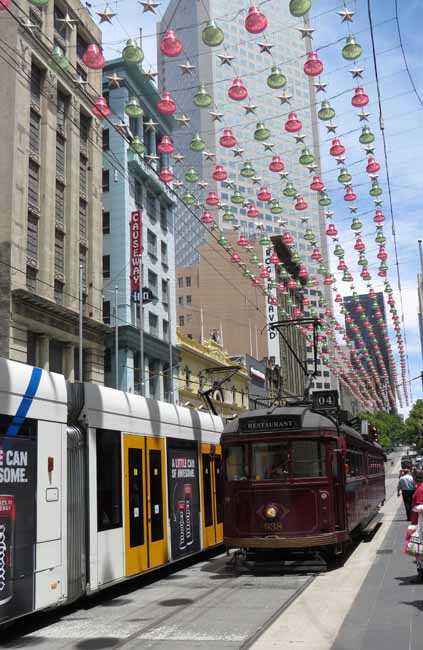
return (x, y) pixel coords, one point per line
(372, 525)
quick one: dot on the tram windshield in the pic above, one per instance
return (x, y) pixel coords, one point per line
(270, 461)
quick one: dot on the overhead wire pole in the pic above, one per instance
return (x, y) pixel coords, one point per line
(116, 338)
(81, 316)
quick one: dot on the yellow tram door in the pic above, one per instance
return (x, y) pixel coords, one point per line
(135, 499)
(212, 506)
(156, 502)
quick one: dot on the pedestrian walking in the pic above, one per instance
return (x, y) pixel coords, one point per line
(407, 486)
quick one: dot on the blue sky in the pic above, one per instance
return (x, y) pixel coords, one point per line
(403, 119)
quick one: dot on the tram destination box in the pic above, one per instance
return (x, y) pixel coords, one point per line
(270, 423)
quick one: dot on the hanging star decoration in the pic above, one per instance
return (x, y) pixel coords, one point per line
(283, 176)
(304, 219)
(320, 87)
(378, 203)
(300, 138)
(329, 214)
(183, 120)
(250, 108)
(265, 48)
(209, 155)
(285, 98)
(353, 209)
(331, 128)
(357, 73)
(152, 157)
(306, 32)
(369, 151)
(80, 80)
(177, 185)
(216, 116)
(256, 180)
(114, 80)
(346, 15)
(150, 125)
(120, 126)
(67, 21)
(106, 16)
(364, 116)
(150, 75)
(236, 227)
(202, 184)
(237, 152)
(340, 160)
(178, 158)
(187, 68)
(28, 25)
(149, 6)
(373, 177)
(312, 168)
(282, 222)
(268, 146)
(225, 59)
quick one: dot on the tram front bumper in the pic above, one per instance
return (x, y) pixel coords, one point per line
(270, 542)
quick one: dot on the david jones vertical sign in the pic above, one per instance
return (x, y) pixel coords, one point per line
(272, 312)
(135, 252)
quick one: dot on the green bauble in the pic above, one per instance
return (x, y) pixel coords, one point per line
(132, 54)
(351, 50)
(212, 35)
(276, 79)
(136, 145)
(299, 8)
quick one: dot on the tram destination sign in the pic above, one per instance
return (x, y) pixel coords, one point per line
(325, 400)
(271, 423)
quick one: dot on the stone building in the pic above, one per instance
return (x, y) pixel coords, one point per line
(50, 175)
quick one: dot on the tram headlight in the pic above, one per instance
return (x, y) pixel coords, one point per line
(270, 512)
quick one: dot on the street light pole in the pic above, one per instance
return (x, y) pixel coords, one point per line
(81, 315)
(116, 338)
(171, 385)
(141, 329)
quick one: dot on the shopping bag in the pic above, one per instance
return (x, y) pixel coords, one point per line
(410, 531)
(414, 546)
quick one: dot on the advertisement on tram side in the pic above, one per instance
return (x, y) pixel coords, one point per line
(184, 496)
(18, 467)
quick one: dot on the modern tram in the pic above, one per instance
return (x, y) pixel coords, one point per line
(97, 486)
(295, 479)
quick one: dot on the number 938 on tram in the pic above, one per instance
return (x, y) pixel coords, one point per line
(294, 479)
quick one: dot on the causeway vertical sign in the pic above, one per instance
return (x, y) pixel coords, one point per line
(135, 226)
(273, 345)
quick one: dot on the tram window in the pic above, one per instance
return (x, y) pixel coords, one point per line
(270, 461)
(236, 464)
(308, 458)
(109, 480)
(355, 463)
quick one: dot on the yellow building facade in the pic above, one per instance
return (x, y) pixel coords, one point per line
(200, 364)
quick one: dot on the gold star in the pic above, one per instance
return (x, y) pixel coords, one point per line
(178, 158)
(357, 73)
(150, 125)
(149, 5)
(265, 48)
(312, 168)
(202, 184)
(150, 75)
(285, 98)
(369, 151)
(152, 157)
(346, 15)
(68, 21)
(340, 160)
(177, 185)
(306, 32)
(106, 15)
(268, 146)
(378, 203)
(225, 59)
(114, 80)
(300, 138)
(183, 120)
(320, 87)
(237, 152)
(187, 68)
(209, 155)
(250, 108)
(257, 180)
(331, 128)
(216, 116)
(283, 176)
(364, 116)
(353, 209)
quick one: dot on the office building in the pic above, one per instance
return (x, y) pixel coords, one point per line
(50, 184)
(131, 183)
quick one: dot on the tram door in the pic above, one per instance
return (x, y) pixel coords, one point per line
(145, 535)
(338, 489)
(212, 502)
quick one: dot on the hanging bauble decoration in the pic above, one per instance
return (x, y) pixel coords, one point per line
(247, 170)
(324, 199)
(219, 173)
(243, 241)
(276, 207)
(5, 3)
(328, 280)
(300, 203)
(237, 91)
(276, 164)
(337, 148)
(133, 107)
(256, 282)
(292, 284)
(338, 298)
(379, 217)
(202, 99)
(188, 198)
(228, 139)
(316, 255)
(317, 184)
(256, 21)
(281, 288)
(331, 231)
(372, 293)
(264, 195)
(351, 50)
(339, 251)
(262, 132)
(306, 157)
(273, 300)
(165, 145)
(287, 238)
(235, 258)
(276, 79)
(362, 260)
(347, 277)
(344, 176)
(93, 57)
(309, 235)
(237, 198)
(295, 257)
(375, 190)
(58, 60)
(350, 195)
(299, 8)
(212, 198)
(303, 273)
(359, 245)
(372, 166)
(132, 54)
(254, 259)
(293, 124)
(39, 3)
(366, 136)
(289, 190)
(252, 212)
(264, 240)
(166, 175)
(171, 45)
(207, 218)
(228, 215)
(212, 35)
(222, 241)
(166, 104)
(191, 175)
(360, 98)
(136, 145)
(197, 143)
(356, 224)
(380, 238)
(313, 66)
(100, 108)
(274, 258)
(326, 111)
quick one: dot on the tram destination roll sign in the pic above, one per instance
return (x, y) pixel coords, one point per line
(271, 423)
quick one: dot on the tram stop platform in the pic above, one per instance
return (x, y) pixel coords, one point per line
(373, 602)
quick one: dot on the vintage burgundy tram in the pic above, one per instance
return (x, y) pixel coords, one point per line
(294, 479)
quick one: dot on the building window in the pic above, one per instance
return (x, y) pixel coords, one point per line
(81, 72)
(106, 312)
(151, 206)
(36, 20)
(84, 128)
(60, 204)
(106, 266)
(33, 184)
(181, 300)
(34, 131)
(83, 263)
(188, 281)
(151, 244)
(152, 281)
(106, 139)
(36, 85)
(83, 174)
(165, 331)
(163, 216)
(106, 223)
(31, 279)
(59, 253)
(60, 156)
(180, 283)
(163, 247)
(189, 300)
(56, 356)
(83, 220)
(109, 480)
(58, 292)
(106, 180)
(181, 321)
(62, 102)
(81, 46)
(165, 292)
(153, 324)
(32, 238)
(59, 23)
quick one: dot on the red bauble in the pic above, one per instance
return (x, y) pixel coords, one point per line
(338, 298)
(276, 164)
(273, 300)
(256, 282)
(293, 124)
(359, 245)
(165, 146)
(243, 241)
(337, 148)
(287, 238)
(235, 258)
(256, 21)
(281, 288)
(379, 217)
(171, 45)
(316, 255)
(166, 175)
(207, 218)
(252, 211)
(166, 104)
(331, 230)
(382, 254)
(292, 283)
(300, 204)
(360, 98)
(92, 57)
(264, 195)
(100, 109)
(219, 173)
(313, 66)
(372, 166)
(264, 274)
(237, 91)
(303, 273)
(317, 184)
(212, 198)
(228, 139)
(350, 195)
(274, 258)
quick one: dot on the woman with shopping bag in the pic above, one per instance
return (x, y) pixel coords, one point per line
(414, 535)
